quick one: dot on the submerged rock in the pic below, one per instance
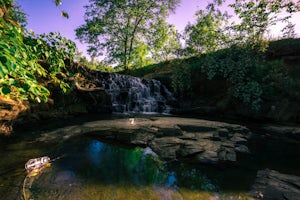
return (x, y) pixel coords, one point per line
(171, 138)
(272, 185)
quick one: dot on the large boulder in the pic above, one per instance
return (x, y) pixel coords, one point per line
(272, 185)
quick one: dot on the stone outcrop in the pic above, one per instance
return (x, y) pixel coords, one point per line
(171, 138)
(281, 132)
(272, 185)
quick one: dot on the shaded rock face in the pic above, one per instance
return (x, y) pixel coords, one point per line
(132, 94)
(188, 140)
(203, 143)
(272, 185)
(281, 132)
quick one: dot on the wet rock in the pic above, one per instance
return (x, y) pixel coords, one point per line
(223, 132)
(171, 138)
(282, 132)
(272, 185)
(166, 147)
(242, 149)
(231, 156)
(228, 154)
(190, 148)
(238, 138)
(209, 157)
(204, 135)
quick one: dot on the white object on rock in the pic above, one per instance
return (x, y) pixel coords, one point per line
(131, 121)
(36, 163)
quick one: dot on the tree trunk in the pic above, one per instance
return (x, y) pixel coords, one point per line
(10, 109)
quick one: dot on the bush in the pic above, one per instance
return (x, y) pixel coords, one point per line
(181, 79)
(239, 66)
(20, 53)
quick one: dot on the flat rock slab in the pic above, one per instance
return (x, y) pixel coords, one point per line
(272, 185)
(282, 132)
(171, 138)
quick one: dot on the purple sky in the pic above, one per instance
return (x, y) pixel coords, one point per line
(44, 16)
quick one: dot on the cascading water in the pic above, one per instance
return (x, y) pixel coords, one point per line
(132, 94)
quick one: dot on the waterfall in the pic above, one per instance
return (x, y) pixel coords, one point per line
(132, 94)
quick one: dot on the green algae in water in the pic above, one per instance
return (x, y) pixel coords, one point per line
(95, 170)
(92, 170)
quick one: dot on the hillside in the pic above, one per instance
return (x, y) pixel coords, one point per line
(236, 82)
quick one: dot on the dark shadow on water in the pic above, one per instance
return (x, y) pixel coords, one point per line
(88, 161)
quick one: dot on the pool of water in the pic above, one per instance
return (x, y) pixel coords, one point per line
(91, 169)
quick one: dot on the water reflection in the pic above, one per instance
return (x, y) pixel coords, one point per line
(104, 163)
(94, 151)
(171, 180)
(91, 169)
(96, 166)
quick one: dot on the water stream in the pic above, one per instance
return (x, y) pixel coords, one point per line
(91, 169)
(138, 95)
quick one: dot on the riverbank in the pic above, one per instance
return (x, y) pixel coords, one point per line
(187, 147)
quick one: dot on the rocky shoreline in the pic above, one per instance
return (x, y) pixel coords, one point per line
(171, 138)
(271, 185)
(187, 140)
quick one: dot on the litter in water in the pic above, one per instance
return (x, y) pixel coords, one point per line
(36, 163)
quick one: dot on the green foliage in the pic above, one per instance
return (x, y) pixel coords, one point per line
(243, 65)
(239, 66)
(20, 70)
(54, 49)
(181, 79)
(166, 43)
(276, 79)
(63, 13)
(257, 17)
(279, 48)
(117, 28)
(18, 67)
(208, 34)
(140, 56)
(17, 14)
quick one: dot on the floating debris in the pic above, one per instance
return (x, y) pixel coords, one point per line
(34, 167)
(36, 163)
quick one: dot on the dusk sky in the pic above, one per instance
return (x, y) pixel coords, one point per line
(44, 17)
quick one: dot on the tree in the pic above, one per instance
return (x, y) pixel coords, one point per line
(289, 31)
(117, 27)
(208, 34)
(166, 43)
(6, 11)
(259, 15)
(17, 14)
(140, 55)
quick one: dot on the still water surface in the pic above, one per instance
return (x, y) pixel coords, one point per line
(91, 169)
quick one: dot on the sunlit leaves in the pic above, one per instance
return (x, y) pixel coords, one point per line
(58, 2)
(20, 71)
(166, 43)
(65, 14)
(208, 34)
(116, 28)
(258, 16)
